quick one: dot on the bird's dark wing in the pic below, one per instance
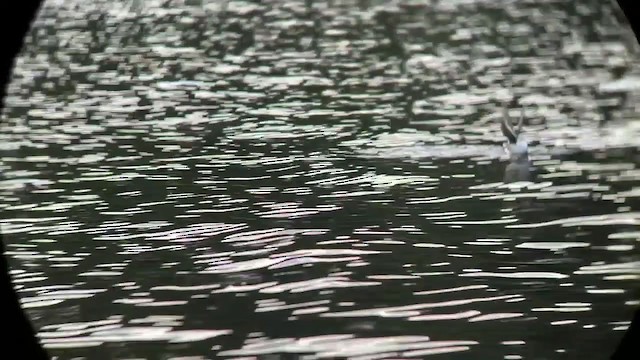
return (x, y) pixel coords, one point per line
(507, 128)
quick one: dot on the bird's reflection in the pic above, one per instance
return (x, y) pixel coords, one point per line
(516, 171)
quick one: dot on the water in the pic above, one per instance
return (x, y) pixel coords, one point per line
(284, 180)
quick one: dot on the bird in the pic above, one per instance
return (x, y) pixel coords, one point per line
(516, 146)
(519, 167)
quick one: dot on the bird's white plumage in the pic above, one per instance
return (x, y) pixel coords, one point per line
(519, 150)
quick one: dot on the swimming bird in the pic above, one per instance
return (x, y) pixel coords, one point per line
(519, 167)
(516, 146)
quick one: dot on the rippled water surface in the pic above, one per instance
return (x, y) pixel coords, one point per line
(291, 179)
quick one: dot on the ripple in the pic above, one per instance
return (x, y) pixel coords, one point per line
(330, 346)
(454, 316)
(518, 275)
(460, 288)
(552, 245)
(316, 284)
(289, 259)
(127, 334)
(596, 220)
(620, 268)
(409, 310)
(495, 316)
(281, 306)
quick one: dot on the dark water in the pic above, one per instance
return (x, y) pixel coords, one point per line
(300, 180)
